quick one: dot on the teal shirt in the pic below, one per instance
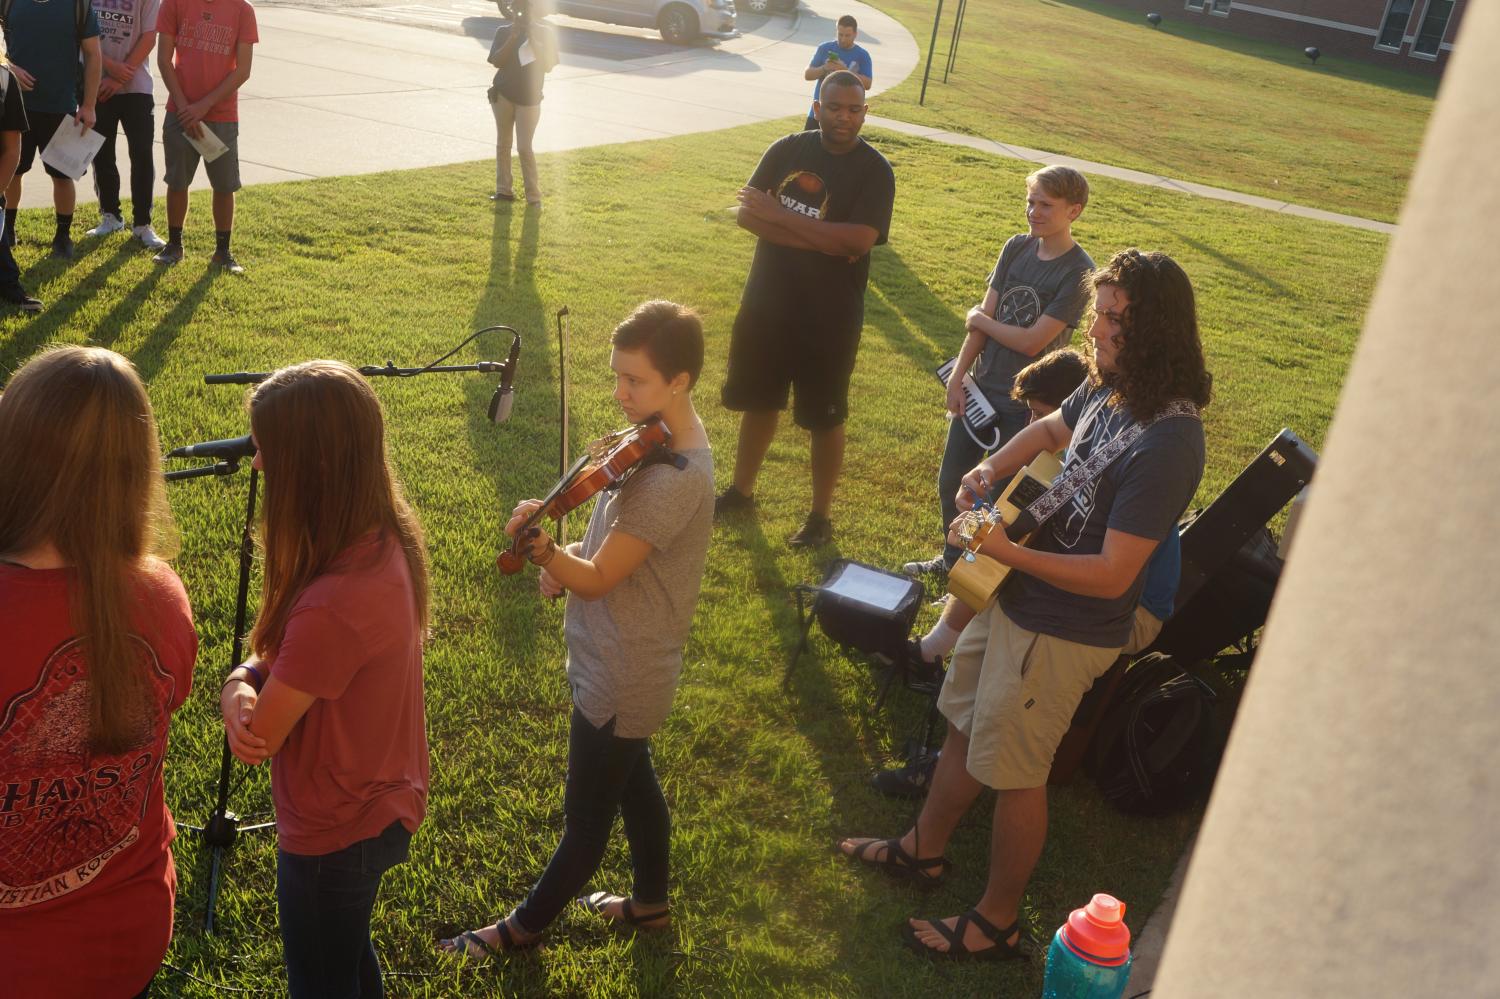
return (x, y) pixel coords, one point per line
(43, 40)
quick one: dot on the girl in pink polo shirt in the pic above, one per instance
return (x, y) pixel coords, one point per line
(333, 693)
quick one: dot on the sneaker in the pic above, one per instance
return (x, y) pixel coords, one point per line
(732, 500)
(21, 300)
(227, 263)
(148, 237)
(62, 248)
(169, 255)
(816, 531)
(931, 567)
(909, 781)
(922, 675)
(502, 196)
(108, 223)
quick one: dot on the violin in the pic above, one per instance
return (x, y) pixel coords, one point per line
(605, 464)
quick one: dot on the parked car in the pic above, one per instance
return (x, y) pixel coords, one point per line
(679, 21)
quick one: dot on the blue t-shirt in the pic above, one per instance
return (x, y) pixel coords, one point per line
(1163, 573)
(43, 40)
(854, 57)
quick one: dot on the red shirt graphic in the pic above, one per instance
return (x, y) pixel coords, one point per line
(86, 877)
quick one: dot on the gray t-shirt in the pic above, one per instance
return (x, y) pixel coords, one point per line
(625, 650)
(121, 24)
(1142, 492)
(1030, 288)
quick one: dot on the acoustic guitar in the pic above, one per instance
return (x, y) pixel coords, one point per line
(976, 578)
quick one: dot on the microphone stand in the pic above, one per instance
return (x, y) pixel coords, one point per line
(389, 369)
(223, 826)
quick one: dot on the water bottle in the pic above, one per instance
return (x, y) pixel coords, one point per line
(1090, 953)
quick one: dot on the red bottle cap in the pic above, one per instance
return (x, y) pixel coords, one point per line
(1097, 932)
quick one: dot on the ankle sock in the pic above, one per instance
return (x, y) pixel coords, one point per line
(174, 235)
(221, 241)
(939, 641)
(64, 225)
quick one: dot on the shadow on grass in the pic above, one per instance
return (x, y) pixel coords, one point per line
(1205, 32)
(1235, 264)
(54, 322)
(152, 354)
(901, 302)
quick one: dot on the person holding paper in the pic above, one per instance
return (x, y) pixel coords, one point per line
(516, 98)
(203, 53)
(12, 125)
(46, 39)
(127, 34)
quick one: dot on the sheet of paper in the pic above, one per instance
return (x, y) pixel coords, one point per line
(209, 145)
(868, 587)
(525, 54)
(70, 150)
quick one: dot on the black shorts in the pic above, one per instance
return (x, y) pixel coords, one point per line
(769, 357)
(42, 126)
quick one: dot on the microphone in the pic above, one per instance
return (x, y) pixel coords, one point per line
(229, 450)
(505, 396)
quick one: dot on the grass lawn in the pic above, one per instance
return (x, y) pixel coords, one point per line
(1094, 81)
(762, 780)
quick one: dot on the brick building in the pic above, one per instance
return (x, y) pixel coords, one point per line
(1403, 34)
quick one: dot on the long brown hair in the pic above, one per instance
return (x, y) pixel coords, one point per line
(328, 483)
(82, 471)
(1161, 354)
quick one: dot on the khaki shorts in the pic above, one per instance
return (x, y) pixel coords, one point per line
(1142, 632)
(1013, 692)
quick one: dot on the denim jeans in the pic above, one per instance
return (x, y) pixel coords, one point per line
(324, 904)
(133, 113)
(606, 775)
(961, 454)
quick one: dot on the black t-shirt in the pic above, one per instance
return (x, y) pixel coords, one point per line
(518, 84)
(806, 287)
(13, 116)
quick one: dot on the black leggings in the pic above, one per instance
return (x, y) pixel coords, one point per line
(606, 775)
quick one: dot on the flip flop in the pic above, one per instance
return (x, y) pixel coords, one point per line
(897, 862)
(957, 951)
(460, 944)
(596, 902)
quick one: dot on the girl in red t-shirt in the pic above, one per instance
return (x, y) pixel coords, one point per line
(98, 652)
(333, 692)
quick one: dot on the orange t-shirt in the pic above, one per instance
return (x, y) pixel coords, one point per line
(357, 760)
(206, 36)
(86, 878)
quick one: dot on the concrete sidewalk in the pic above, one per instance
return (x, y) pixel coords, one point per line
(333, 94)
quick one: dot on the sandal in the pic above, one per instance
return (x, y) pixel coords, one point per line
(596, 902)
(897, 862)
(459, 945)
(1001, 951)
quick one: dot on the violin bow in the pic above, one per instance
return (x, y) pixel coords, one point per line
(562, 422)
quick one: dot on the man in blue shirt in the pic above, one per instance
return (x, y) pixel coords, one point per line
(46, 40)
(831, 57)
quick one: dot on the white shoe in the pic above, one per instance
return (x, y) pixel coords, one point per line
(148, 237)
(107, 224)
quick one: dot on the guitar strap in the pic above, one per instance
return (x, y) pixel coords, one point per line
(1086, 471)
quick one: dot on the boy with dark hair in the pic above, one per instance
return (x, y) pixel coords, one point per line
(831, 57)
(203, 54)
(46, 40)
(1133, 432)
(818, 203)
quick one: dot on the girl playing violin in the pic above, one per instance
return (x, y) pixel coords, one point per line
(632, 585)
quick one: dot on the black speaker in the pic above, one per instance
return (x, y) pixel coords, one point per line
(1256, 495)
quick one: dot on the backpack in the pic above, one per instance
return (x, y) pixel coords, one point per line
(80, 18)
(1159, 745)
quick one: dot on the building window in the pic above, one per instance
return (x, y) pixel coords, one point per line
(1393, 27)
(1434, 26)
(1195, 5)
(1220, 7)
